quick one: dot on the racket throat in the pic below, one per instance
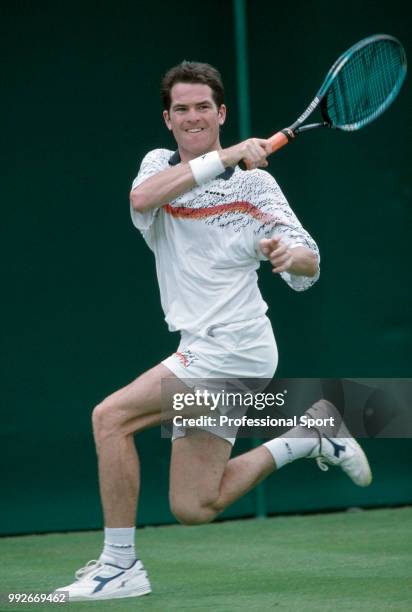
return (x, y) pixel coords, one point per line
(289, 133)
(311, 126)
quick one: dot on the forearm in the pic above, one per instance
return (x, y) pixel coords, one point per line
(304, 262)
(162, 187)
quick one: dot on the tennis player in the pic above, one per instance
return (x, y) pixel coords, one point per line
(209, 225)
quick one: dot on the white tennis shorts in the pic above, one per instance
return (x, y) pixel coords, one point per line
(240, 350)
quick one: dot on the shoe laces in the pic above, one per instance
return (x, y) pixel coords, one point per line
(321, 461)
(89, 567)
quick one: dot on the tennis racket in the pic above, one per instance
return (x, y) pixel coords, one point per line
(359, 87)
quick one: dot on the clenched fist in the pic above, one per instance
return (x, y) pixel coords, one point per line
(279, 255)
(253, 150)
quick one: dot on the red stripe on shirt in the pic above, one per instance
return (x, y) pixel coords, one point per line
(211, 211)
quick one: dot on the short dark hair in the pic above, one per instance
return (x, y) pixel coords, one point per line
(192, 72)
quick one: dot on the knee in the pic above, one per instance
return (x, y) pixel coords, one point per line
(192, 512)
(103, 420)
(107, 420)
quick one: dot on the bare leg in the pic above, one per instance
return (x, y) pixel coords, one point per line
(133, 408)
(242, 474)
(203, 481)
(119, 479)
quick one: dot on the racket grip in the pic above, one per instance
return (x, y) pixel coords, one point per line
(243, 165)
(278, 140)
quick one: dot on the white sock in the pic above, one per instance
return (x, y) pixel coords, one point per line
(119, 546)
(292, 445)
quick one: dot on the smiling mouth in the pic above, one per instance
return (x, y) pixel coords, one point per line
(194, 130)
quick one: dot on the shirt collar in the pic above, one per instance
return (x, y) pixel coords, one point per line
(226, 175)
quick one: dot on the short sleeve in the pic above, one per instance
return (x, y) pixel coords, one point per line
(154, 162)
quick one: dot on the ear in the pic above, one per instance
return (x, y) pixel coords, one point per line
(166, 118)
(221, 114)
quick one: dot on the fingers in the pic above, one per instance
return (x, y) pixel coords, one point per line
(270, 244)
(253, 151)
(264, 143)
(258, 150)
(283, 264)
(268, 147)
(278, 253)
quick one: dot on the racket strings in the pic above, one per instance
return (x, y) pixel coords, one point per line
(366, 84)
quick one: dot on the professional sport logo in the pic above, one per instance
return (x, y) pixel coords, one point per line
(186, 357)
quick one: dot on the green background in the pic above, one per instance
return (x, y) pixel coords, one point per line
(81, 314)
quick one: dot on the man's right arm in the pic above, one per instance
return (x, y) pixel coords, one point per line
(168, 184)
(162, 187)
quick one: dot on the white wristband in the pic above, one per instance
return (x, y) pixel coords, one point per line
(206, 167)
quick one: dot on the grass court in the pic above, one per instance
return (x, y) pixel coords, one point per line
(328, 562)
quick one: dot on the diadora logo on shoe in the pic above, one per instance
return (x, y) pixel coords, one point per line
(337, 448)
(103, 581)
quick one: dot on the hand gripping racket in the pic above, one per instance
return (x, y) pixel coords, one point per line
(359, 87)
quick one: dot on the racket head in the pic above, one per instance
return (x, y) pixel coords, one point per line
(363, 82)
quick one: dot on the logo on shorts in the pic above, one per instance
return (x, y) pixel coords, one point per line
(186, 357)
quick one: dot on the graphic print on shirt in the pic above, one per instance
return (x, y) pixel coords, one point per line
(246, 200)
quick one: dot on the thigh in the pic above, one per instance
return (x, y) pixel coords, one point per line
(139, 404)
(196, 469)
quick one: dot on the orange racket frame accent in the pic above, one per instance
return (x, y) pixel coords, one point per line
(279, 140)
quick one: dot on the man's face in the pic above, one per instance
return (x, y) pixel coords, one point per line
(194, 119)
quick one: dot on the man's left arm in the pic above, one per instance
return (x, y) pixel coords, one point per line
(297, 260)
(281, 238)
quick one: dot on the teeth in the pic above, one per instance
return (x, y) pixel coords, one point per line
(193, 130)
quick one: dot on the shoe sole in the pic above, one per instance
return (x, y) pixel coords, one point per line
(136, 593)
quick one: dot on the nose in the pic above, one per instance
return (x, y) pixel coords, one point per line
(192, 115)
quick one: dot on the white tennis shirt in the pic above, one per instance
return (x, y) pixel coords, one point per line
(206, 244)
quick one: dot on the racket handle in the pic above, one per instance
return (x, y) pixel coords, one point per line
(278, 140)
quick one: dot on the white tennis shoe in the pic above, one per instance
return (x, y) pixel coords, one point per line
(337, 446)
(98, 580)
